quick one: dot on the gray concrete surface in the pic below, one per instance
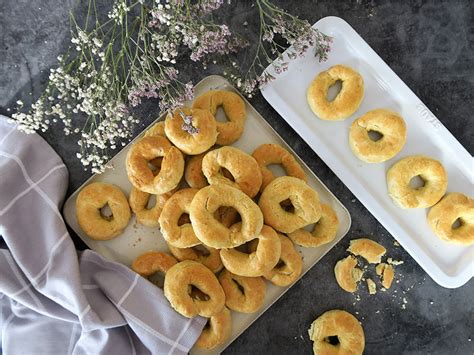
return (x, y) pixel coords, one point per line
(429, 44)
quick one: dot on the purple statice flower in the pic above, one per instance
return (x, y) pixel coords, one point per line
(189, 91)
(207, 6)
(208, 41)
(265, 78)
(187, 125)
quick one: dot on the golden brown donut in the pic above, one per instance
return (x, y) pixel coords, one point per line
(149, 263)
(158, 129)
(324, 231)
(243, 294)
(347, 274)
(192, 137)
(454, 206)
(193, 289)
(138, 203)
(243, 167)
(213, 233)
(340, 325)
(179, 236)
(193, 172)
(389, 124)
(288, 268)
(305, 200)
(345, 103)
(210, 258)
(216, 331)
(234, 108)
(432, 173)
(262, 259)
(143, 177)
(89, 202)
(368, 249)
(267, 154)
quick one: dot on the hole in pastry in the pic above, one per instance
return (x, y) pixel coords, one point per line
(157, 279)
(332, 339)
(227, 174)
(280, 265)
(239, 286)
(201, 250)
(277, 170)
(287, 205)
(374, 135)
(208, 325)
(220, 115)
(155, 165)
(309, 228)
(457, 223)
(197, 294)
(227, 215)
(183, 219)
(106, 212)
(334, 90)
(151, 202)
(417, 182)
(246, 248)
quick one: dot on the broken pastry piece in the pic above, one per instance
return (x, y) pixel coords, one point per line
(368, 249)
(371, 286)
(347, 274)
(386, 272)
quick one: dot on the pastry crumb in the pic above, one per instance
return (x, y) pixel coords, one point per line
(394, 262)
(396, 243)
(371, 286)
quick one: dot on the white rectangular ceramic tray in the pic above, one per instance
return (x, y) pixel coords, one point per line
(137, 239)
(449, 265)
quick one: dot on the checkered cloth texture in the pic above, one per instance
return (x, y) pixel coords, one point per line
(55, 300)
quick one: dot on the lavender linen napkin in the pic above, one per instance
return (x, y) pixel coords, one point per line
(54, 300)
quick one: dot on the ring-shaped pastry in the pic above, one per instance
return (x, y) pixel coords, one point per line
(210, 259)
(243, 167)
(324, 231)
(305, 201)
(234, 109)
(288, 268)
(431, 172)
(193, 131)
(213, 233)
(216, 331)
(340, 324)
(347, 100)
(445, 213)
(138, 203)
(243, 294)
(193, 289)
(179, 236)
(268, 154)
(389, 125)
(143, 177)
(89, 202)
(152, 262)
(257, 262)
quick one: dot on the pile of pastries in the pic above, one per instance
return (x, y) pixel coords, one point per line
(451, 216)
(230, 224)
